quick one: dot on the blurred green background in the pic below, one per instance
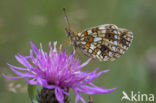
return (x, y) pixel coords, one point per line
(22, 21)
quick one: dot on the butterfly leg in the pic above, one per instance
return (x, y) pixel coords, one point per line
(76, 51)
(65, 42)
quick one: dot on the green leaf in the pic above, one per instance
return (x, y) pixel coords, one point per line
(32, 93)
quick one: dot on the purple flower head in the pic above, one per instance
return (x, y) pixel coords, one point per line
(57, 70)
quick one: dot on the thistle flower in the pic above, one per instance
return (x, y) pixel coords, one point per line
(58, 71)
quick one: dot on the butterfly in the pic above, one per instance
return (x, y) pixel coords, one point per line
(104, 42)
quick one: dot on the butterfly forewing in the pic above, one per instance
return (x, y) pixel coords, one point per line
(104, 42)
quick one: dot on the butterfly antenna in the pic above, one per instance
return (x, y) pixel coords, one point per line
(66, 18)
